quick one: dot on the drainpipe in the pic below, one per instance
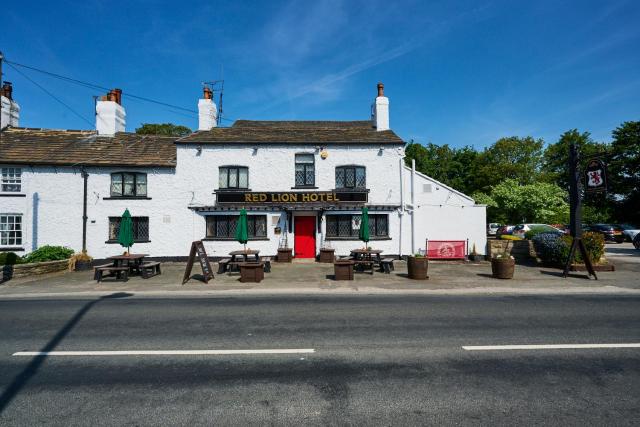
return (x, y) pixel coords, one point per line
(402, 207)
(85, 177)
(413, 206)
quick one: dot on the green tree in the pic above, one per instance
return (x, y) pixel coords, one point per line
(451, 166)
(168, 129)
(624, 171)
(510, 202)
(519, 159)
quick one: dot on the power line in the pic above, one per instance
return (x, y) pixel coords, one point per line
(49, 93)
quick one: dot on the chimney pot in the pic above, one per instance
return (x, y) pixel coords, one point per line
(7, 90)
(380, 89)
(118, 93)
(111, 96)
(208, 93)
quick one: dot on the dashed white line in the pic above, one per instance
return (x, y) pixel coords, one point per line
(547, 346)
(165, 352)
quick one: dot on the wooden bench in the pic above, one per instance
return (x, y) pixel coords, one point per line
(150, 269)
(119, 272)
(95, 270)
(267, 263)
(364, 264)
(223, 264)
(386, 265)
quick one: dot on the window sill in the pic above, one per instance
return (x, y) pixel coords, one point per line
(230, 190)
(13, 194)
(355, 238)
(111, 242)
(304, 187)
(351, 190)
(231, 239)
(11, 249)
(127, 198)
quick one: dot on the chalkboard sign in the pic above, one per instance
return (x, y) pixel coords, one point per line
(197, 250)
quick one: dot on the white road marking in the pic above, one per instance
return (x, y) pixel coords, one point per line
(546, 346)
(164, 352)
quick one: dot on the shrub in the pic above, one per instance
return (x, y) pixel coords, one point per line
(9, 258)
(550, 248)
(593, 243)
(49, 253)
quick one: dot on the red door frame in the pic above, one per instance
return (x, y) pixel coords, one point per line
(304, 236)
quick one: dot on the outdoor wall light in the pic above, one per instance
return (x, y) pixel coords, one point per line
(198, 150)
(255, 150)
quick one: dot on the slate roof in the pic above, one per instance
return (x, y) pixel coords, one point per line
(294, 132)
(77, 147)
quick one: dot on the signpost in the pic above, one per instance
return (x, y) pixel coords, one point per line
(575, 213)
(197, 249)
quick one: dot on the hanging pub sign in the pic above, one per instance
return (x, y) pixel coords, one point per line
(292, 197)
(595, 176)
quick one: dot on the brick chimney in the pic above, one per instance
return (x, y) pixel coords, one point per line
(207, 111)
(110, 115)
(10, 108)
(380, 110)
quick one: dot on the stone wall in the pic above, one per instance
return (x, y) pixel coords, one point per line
(519, 249)
(22, 270)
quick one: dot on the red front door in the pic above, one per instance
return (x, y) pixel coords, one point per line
(305, 237)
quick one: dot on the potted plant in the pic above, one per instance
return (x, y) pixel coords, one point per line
(474, 255)
(80, 262)
(417, 266)
(503, 266)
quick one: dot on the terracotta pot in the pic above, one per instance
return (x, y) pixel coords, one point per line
(503, 268)
(327, 255)
(417, 267)
(284, 255)
(343, 270)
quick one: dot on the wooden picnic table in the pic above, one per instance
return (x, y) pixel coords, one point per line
(245, 255)
(133, 261)
(366, 258)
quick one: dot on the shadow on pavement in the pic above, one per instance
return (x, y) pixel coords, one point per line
(30, 370)
(561, 274)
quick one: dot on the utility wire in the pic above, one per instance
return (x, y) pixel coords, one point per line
(95, 86)
(49, 93)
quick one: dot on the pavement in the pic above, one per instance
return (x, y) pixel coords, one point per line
(316, 278)
(352, 360)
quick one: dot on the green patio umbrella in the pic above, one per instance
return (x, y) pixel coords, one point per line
(125, 234)
(242, 229)
(363, 234)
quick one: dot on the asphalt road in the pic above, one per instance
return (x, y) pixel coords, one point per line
(378, 360)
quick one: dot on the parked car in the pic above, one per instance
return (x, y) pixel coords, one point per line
(629, 231)
(520, 229)
(562, 227)
(505, 229)
(492, 228)
(611, 233)
(636, 241)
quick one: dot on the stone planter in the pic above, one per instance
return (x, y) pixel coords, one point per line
(503, 268)
(343, 270)
(327, 255)
(16, 271)
(252, 272)
(417, 267)
(284, 255)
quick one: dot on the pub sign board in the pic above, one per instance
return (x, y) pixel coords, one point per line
(284, 198)
(595, 176)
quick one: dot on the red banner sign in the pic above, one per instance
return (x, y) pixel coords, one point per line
(446, 249)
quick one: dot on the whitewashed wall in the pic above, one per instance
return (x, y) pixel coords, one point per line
(442, 213)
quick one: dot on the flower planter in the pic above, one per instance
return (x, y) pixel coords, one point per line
(284, 255)
(252, 272)
(503, 268)
(343, 270)
(417, 267)
(327, 255)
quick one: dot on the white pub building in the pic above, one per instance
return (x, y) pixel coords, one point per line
(303, 184)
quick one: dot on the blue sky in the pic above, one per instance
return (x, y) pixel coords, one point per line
(455, 72)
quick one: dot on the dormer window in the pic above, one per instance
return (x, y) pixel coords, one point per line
(351, 177)
(233, 177)
(128, 184)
